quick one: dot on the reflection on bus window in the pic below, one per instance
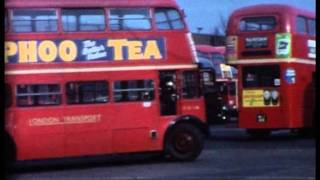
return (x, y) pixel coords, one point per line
(83, 20)
(27, 20)
(191, 86)
(312, 27)
(301, 24)
(260, 76)
(130, 19)
(168, 19)
(134, 90)
(38, 95)
(87, 92)
(257, 24)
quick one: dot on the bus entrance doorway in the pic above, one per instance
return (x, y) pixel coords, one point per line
(168, 93)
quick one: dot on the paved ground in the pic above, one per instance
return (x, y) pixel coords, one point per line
(229, 154)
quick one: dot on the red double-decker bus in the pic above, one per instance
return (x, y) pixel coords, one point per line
(274, 49)
(222, 105)
(100, 77)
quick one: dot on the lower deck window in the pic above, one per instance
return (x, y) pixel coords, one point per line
(133, 90)
(261, 76)
(38, 95)
(87, 92)
(191, 85)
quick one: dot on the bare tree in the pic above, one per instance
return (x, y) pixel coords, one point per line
(220, 28)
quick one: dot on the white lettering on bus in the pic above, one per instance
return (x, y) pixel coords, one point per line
(80, 119)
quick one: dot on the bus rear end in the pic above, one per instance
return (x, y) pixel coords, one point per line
(275, 67)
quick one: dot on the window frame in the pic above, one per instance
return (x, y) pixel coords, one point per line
(95, 92)
(274, 17)
(260, 70)
(150, 19)
(311, 20)
(305, 24)
(138, 90)
(35, 103)
(181, 17)
(192, 86)
(10, 20)
(105, 15)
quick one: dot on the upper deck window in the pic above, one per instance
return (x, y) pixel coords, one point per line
(167, 18)
(258, 24)
(29, 20)
(301, 25)
(83, 20)
(312, 27)
(130, 19)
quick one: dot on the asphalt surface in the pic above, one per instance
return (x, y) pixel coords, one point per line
(229, 154)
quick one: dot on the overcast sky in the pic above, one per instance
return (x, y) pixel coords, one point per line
(205, 13)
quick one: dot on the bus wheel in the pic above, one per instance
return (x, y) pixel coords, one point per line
(258, 133)
(184, 143)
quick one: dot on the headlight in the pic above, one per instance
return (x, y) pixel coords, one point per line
(274, 95)
(224, 108)
(266, 95)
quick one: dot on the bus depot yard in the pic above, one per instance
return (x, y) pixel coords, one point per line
(111, 78)
(229, 153)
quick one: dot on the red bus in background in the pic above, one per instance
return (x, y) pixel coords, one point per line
(274, 50)
(221, 105)
(100, 77)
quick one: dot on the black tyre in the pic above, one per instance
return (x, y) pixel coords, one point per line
(259, 133)
(184, 142)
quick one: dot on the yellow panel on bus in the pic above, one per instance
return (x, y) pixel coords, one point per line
(258, 98)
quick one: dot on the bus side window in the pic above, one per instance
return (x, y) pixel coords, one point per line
(29, 20)
(168, 18)
(301, 25)
(87, 92)
(191, 85)
(133, 90)
(8, 95)
(312, 27)
(38, 95)
(83, 20)
(129, 19)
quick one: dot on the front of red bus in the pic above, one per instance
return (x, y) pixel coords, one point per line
(263, 43)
